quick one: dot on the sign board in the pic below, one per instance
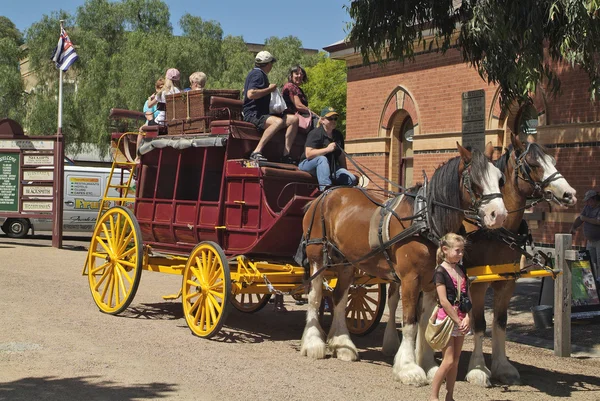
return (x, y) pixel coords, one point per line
(585, 298)
(36, 206)
(35, 190)
(38, 175)
(9, 182)
(473, 119)
(84, 186)
(38, 160)
(25, 144)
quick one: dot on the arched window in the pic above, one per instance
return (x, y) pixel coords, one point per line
(406, 161)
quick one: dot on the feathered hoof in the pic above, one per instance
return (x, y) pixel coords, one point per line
(346, 354)
(314, 348)
(411, 374)
(479, 378)
(431, 373)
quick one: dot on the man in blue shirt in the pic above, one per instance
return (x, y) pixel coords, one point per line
(257, 95)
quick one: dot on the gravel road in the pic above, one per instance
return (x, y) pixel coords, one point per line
(56, 345)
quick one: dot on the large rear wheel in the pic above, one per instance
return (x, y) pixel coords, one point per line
(115, 260)
(250, 303)
(206, 289)
(365, 308)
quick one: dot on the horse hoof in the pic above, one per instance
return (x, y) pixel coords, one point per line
(411, 374)
(315, 352)
(346, 354)
(508, 379)
(506, 374)
(314, 348)
(431, 373)
(479, 378)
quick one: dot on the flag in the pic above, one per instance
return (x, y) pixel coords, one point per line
(64, 55)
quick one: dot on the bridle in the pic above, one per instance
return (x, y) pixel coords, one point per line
(477, 200)
(523, 172)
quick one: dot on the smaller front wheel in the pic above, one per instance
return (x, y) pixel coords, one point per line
(206, 289)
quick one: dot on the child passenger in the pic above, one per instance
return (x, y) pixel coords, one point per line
(450, 276)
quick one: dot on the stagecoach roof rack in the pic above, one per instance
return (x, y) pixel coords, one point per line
(183, 142)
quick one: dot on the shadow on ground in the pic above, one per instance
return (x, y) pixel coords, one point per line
(80, 388)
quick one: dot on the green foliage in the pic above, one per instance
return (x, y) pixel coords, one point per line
(512, 43)
(288, 52)
(326, 86)
(11, 85)
(9, 30)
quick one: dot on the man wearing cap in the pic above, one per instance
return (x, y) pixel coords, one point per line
(257, 95)
(590, 218)
(322, 156)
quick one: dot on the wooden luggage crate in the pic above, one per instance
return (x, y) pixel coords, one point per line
(189, 112)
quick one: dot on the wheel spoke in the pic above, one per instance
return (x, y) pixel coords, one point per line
(122, 245)
(97, 269)
(105, 274)
(114, 233)
(107, 235)
(127, 263)
(196, 269)
(211, 309)
(124, 273)
(112, 289)
(216, 304)
(103, 245)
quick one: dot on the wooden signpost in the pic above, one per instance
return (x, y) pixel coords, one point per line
(27, 173)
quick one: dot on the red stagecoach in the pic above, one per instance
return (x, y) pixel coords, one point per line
(230, 226)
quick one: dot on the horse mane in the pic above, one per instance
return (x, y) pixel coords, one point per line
(444, 187)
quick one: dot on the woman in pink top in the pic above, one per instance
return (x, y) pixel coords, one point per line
(448, 277)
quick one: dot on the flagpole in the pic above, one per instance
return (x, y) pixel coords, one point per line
(57, 229)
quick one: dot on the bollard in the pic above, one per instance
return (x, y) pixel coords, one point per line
(562, 297)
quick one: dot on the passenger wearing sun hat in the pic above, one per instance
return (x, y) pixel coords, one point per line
(257, 95)
(590, 218)
(322, 155)
(170, 87)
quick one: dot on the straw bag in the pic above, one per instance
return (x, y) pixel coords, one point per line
(438, 334)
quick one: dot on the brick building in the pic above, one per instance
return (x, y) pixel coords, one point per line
(403, 118)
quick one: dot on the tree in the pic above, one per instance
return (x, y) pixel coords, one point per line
(288, 52)
(515, 44)
(11, 84)
(9, 30)
(326, 87)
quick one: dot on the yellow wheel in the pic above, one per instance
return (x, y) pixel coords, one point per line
(250, 303)
(206, 289)
(115, 260)
(365, 308)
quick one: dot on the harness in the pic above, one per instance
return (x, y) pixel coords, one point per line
(519, 241)
(422, 223)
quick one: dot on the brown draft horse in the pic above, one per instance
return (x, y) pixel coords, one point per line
(337, 225)
(530, 172)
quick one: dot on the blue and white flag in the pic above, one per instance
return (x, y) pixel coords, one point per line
(64, 55)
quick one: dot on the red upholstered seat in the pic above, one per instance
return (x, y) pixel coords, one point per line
(288, 173)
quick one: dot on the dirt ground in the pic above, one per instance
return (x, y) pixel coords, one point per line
(56, 345)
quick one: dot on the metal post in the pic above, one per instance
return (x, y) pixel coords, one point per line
(58, 168)
(562, 297)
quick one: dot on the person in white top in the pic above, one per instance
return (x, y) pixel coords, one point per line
(171, 87)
